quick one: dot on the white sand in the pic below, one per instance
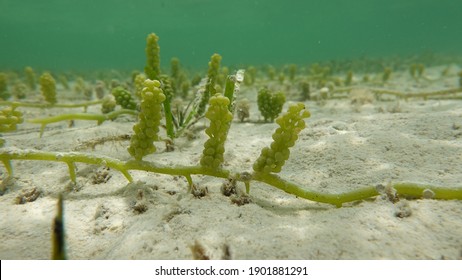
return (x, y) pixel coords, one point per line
(343, 147)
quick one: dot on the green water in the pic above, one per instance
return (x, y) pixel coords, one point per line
(101, 34)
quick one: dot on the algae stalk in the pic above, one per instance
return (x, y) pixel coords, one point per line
(403, 188)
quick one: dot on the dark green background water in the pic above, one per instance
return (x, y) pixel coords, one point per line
(98, 34)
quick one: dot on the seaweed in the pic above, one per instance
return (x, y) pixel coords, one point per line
(291, 124)
(220, 120)
(10, 118)
(157, 91)
(4, 94)
(146, 130)
(209, 90)
(30, 77)
(270, 104)
(48, 87)
(124, 98)
(152, 68)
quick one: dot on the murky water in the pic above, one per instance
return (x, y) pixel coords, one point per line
(88, 34)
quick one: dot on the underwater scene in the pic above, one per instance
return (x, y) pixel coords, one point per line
(202, 129)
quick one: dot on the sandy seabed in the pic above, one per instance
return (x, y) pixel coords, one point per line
(345, 146)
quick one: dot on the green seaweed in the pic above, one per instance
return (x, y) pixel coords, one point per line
(291, 123)
(124, 98)
(30, 77)
(56, 105)
(48, 87)
(152, 68)
(185, 117)
(99, 118)
(157, 92)
(168, 91)
(386, 74)
(4, 93)
(147, 128)
(460, 79)
(337, 199)
(270, 104)
(220, 120)
(209, 90)
(10, 118)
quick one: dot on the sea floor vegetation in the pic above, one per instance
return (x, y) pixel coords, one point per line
(237, 130)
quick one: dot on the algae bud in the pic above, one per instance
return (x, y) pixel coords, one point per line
(146, 130)
(272, 158)
(269, 104)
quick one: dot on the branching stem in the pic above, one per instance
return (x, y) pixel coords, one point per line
(70, 158)
(402, 94)
(100, 118)
(45, 105)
